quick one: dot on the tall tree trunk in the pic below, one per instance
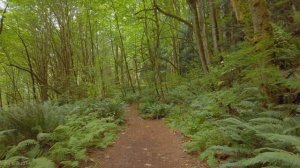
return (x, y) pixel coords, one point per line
(201, 13)
(29, 62)
(123, 52)
(260, 19)
(197, 34)
(157, 50)
(214, 25)
(150, 50)
(243, 17)
(1, 100)
(92, 61)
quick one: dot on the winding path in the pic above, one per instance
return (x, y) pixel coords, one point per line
(145, 144)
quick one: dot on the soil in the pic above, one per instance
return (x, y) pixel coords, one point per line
(145, 144)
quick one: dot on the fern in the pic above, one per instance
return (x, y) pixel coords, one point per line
(62, 133)
(155, 110)
(14, 162)
(265, 120)
(59, 153)
(45, 138)
(282, 159)
(29, 148)
(70, 164)
(291, 130)
(226, 150)
(278, 139)
(29, 119)
(42, 163)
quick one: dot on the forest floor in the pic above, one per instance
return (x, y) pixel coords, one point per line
(144, 144)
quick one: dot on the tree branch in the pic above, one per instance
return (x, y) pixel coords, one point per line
(33, 74)
(173, 16)
(144, 10)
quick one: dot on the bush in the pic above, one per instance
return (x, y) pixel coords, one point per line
(246, 113)
(132, 98)
(29, 119)
(44, 134)
(155, 110)
(104, 109)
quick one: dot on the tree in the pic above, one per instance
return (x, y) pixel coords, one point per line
(260, 18)
(198, 33)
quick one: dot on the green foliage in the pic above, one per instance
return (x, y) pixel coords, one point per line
(155, 110)
(297, 17)
(41, 163)
(281, 159)
(102, 109)
(28, 148)
(14, 162)
(80, 132)
(30, 118)
(180, 94)
(266, 138)
(132, 98)
(78, 126)
(246, 112)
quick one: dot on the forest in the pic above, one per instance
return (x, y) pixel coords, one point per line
(224, 74)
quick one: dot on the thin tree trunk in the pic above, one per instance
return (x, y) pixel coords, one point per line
(157, 49)
(30, 65)
(150, 50)
(123, 52)
(214, 25)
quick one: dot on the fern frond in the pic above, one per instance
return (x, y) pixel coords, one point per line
(14, 162)
(268, 127)
(282, 159)
(268, 149)
(263, 120)
(225, 150)
(287, 140)
(235, 122)
(290, 130)
(29, 148)
(42, 163)
(69, 163)
(44, 137)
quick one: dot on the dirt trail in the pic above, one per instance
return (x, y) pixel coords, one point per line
(144, 144)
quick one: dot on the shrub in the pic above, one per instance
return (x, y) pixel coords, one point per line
(132, 98)
(156, 110)
(45, 134)
(42, 163)
(29, 119)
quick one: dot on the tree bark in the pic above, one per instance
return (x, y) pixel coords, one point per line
(260, 19)
(201, 13)
(214, 25)
(197, 34)
(28, 58)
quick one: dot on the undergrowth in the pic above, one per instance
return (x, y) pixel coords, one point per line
(245, 112)
(154, 110)
(50, 135)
